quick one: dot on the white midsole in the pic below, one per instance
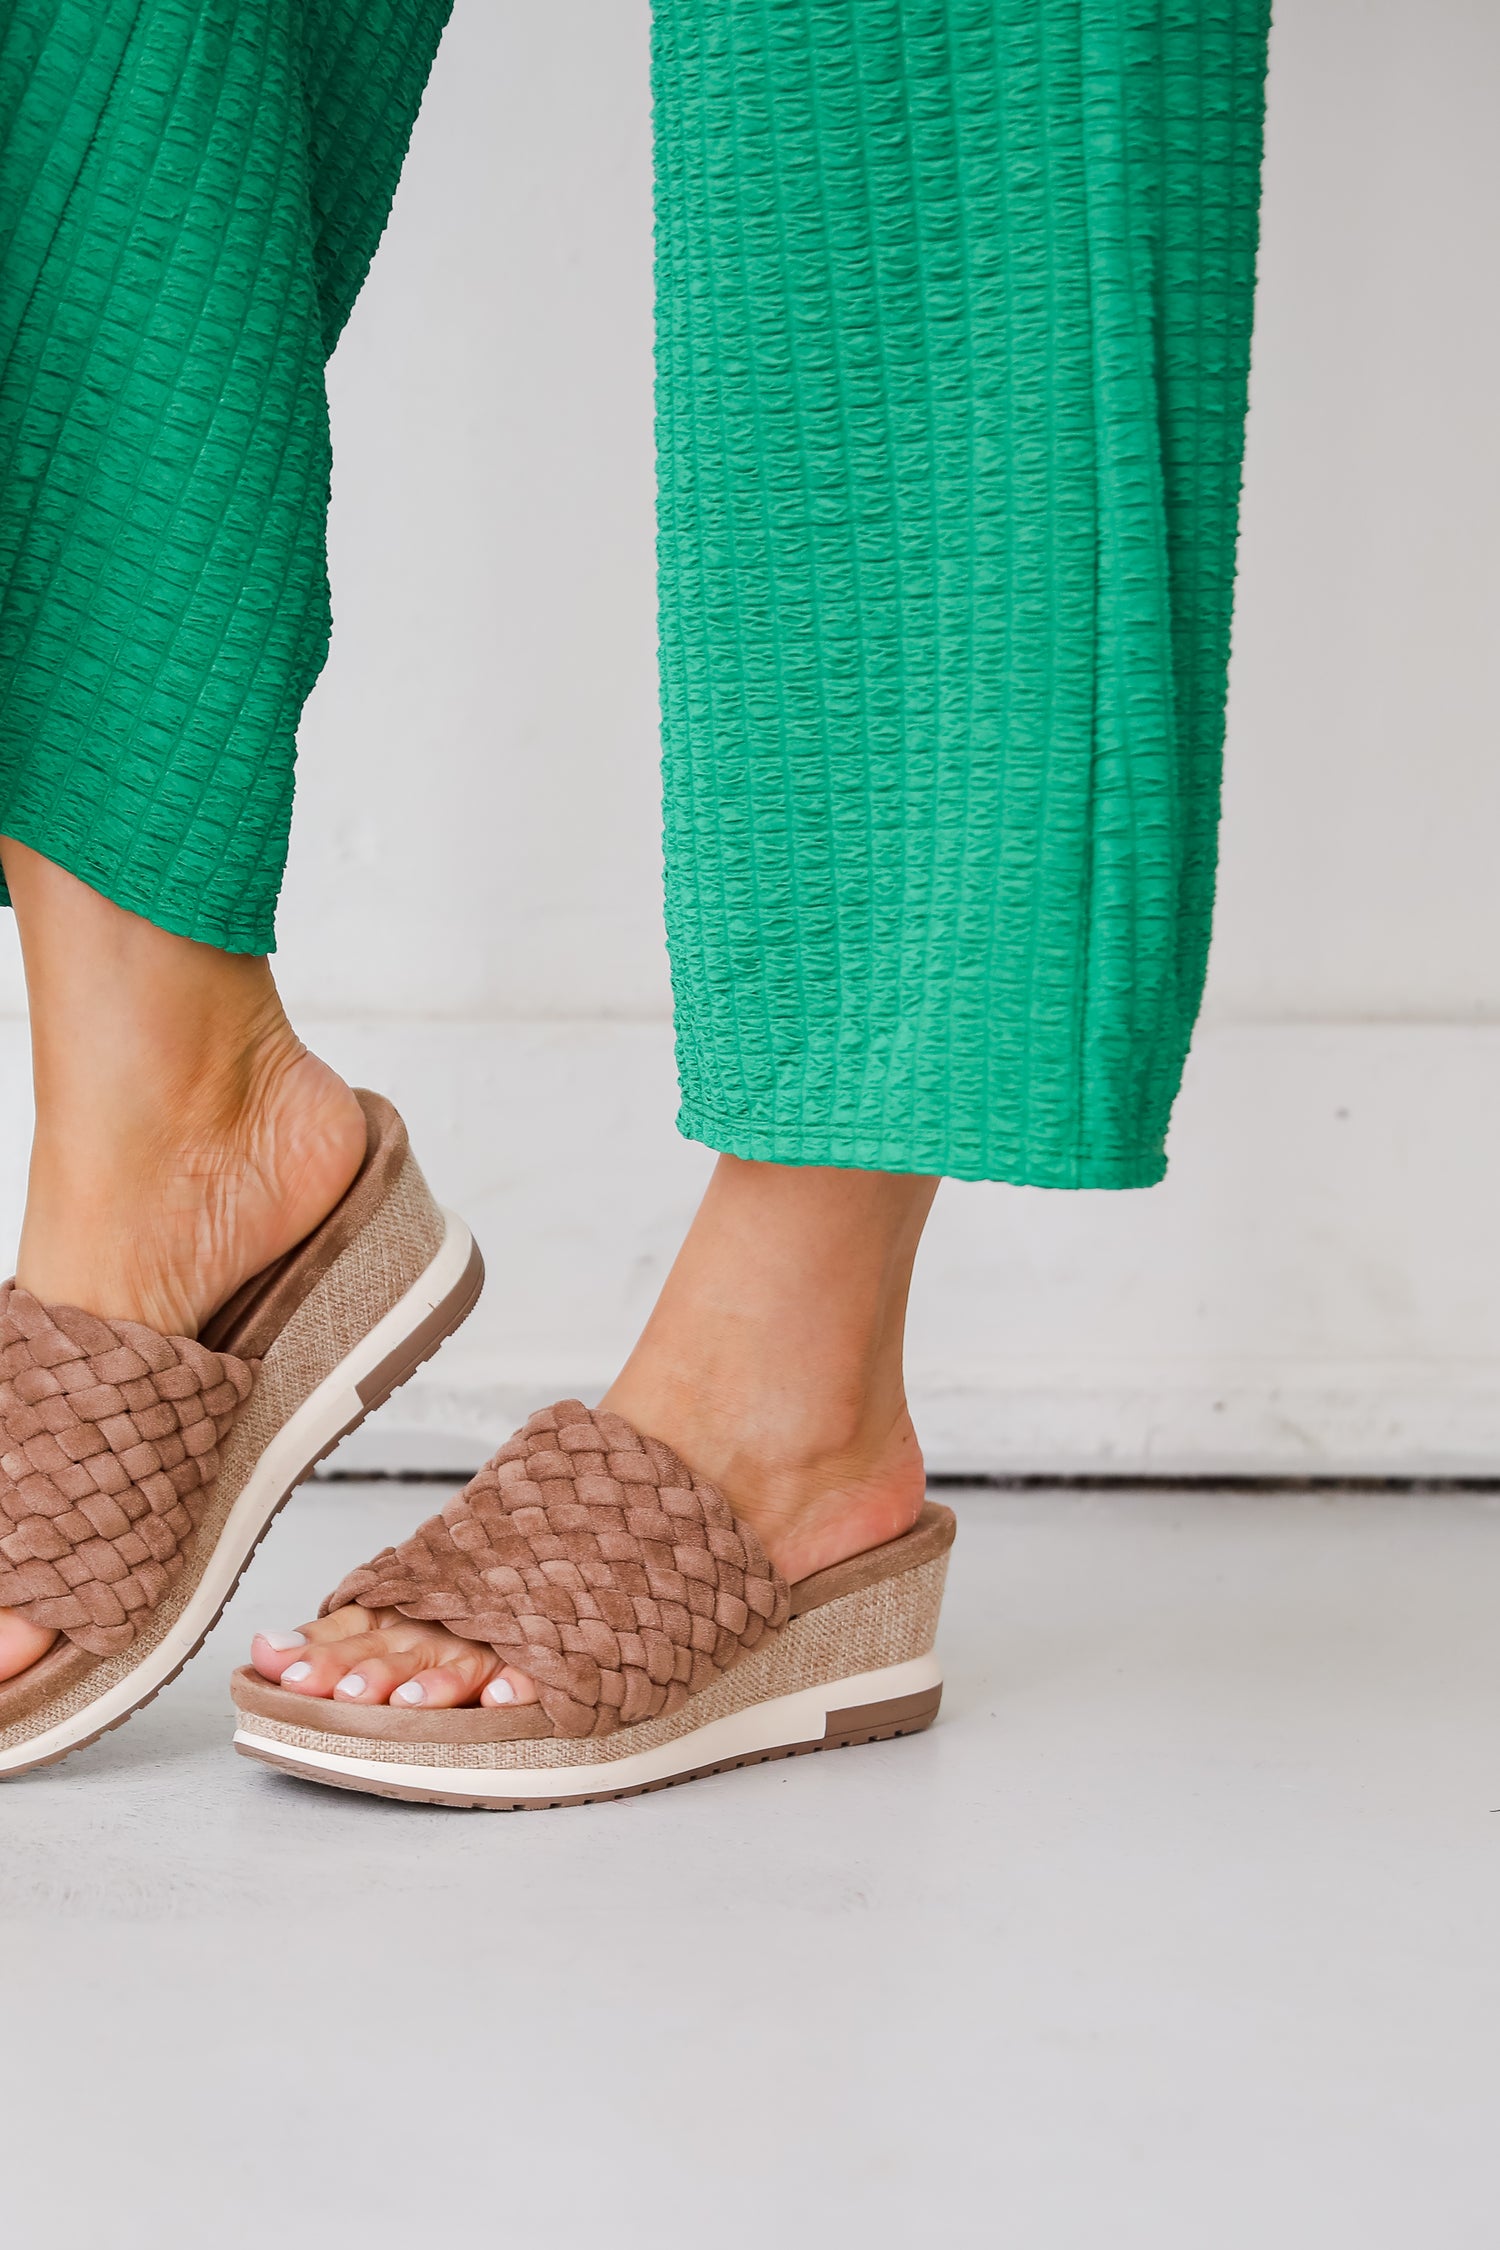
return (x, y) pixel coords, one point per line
(323, 1415)
(772, 1725)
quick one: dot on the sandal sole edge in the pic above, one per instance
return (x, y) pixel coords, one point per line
(879, 1706)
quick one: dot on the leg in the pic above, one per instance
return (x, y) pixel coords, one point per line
(772, 1363)
(953, 329)
(774, 1357)
(193, 190)
(185, 1138)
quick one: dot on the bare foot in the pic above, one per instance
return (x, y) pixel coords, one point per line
(164, 1231)
(808, 1514)
(185, 1138)
(771, 1365)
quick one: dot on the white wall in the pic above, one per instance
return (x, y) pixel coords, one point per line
(471, 917)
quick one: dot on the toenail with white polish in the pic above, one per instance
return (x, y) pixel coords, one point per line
(352, 1683)
(499, 1691)
(281, 1641)
(410, 1691)
(297, 1672)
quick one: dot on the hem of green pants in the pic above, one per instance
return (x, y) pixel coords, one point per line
(857, 1152)
(206, 928)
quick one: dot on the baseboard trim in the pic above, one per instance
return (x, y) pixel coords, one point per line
(1311, 1294)
(1361, 1425)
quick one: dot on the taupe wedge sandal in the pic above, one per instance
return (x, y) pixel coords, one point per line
(662, 1642)
(139, 1472)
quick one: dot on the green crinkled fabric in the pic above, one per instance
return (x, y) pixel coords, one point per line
(954, 307)
(190, 195)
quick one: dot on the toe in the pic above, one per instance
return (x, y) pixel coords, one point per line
(373, 1676)
(322, 1666)
(509, 1686)
(447, 1686)
(21, 1643)
(273, 1653)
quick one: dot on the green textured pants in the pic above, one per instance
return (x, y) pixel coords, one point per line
(954, 307)
(954, 302)
(190, 194)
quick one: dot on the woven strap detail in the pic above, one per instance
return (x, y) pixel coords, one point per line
(591, 1559)
(109, 1442)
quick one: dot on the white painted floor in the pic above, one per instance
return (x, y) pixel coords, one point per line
(1179, 1932)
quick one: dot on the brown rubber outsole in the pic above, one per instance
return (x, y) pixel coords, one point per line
(843, 1730)
(397, 1368)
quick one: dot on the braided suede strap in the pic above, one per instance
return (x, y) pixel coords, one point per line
(593, 1561)
(109, 1443)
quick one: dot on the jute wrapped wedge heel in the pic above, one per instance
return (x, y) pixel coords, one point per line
(663, 1644)
(138, 1472)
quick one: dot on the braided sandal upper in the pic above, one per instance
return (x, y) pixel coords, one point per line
(591, 1559)
(110, 1440)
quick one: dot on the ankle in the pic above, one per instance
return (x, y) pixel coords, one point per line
(184, 1136)
(817, 1477)
(812, 1509)
(772, 1362)
(153, 1198)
